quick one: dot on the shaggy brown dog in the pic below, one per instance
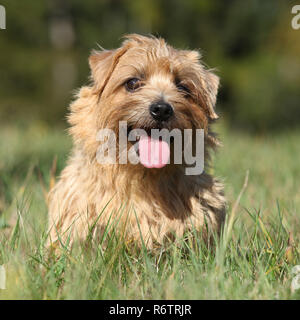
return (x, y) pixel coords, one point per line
(148, 84)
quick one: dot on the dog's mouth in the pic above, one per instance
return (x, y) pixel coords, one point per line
(153, 152)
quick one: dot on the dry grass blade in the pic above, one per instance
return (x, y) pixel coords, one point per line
(289, 252)
(53, 173)
(234, 209)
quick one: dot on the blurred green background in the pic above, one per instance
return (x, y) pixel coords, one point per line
(45, 47)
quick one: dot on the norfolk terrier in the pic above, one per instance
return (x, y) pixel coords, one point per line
(148, 85)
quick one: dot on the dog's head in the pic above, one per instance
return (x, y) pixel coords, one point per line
(151, 85)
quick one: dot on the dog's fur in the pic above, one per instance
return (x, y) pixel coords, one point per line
(149, 203)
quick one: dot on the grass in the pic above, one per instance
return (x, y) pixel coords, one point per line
(253, 260)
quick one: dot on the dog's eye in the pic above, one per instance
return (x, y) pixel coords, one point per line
(183, 88)
(133, 84)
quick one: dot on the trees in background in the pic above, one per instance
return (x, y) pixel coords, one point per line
(45, 47)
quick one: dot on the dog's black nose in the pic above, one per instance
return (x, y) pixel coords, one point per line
(161, 111)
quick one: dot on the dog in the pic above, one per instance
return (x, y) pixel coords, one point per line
(149, 85)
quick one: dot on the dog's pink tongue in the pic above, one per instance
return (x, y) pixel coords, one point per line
(153, 153)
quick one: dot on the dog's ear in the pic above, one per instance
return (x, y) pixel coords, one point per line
(212, 84)
(206, 83)
(102, 64)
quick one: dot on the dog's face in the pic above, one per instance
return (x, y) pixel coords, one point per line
(151, 85)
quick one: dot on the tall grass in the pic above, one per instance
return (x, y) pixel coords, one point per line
(252, 260)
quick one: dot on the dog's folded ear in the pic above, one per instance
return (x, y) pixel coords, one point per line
(212, 84)
(102, 64)
(206, 82)
(207, 85)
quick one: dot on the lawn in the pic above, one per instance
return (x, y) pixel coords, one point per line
(252, 260)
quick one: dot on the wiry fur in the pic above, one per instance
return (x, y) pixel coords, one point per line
(147, 203)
